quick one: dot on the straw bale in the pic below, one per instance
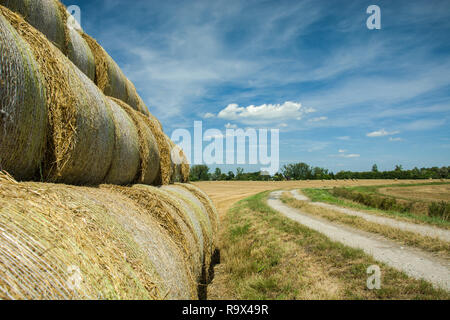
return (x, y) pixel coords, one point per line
(62, 242)
(108, 76)
(148, 145)
(44, 15)
(126, 157)
(172, 217)
(206, 201)
(81, 140)
(202, 217)
(23, 109)
(80, 53)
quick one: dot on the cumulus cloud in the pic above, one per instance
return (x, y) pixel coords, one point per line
(381, 133)
(208, 115)
(266, 113)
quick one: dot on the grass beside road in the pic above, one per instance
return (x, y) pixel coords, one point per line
(267, 256)
(402, 237)
(324, 195)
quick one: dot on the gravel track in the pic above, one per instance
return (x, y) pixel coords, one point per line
(414, 262)
(424, 230)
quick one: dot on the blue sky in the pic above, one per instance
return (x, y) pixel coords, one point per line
(344, 97)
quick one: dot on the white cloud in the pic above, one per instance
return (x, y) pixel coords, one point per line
(353, 155)
(343, 138)
(266, 113)
(342, 151)
(318, 119)
(381, 133)
(230, 126)
(395, 139)
(208, 115)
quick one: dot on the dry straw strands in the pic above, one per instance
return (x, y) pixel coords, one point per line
(67, 242)
(126, 157)
(81, 139)
(148, 146)
(23, 109)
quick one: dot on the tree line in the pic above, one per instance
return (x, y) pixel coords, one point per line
(303, 171)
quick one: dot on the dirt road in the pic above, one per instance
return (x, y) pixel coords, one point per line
(414, 262)
(402, 225)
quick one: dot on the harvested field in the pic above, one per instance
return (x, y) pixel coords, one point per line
(426, 192)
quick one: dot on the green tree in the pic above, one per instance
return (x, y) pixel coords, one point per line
(297, 171)
(231, 175)
(239, 173)
(217, 175)
(199, 173)
(374, 168)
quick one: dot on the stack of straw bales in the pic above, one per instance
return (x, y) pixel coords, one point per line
(80, 135)
(72, 241)
(111, 242)
(50, 17)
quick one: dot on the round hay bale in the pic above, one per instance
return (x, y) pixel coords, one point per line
(83, 243)
(175, 279)
(175, 168)
(81, 130)
(134, 100)
(23, 109)
(164, 173)
(179, 164)
(185, 168)
(80, 53)
(108, 76)
(126, 157)
(148, 146)
(200, 213)
(91, 156)
(201, 210)
(46, 16)
(206, 201)
(173, 217)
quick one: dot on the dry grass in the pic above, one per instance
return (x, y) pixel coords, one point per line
(440, 247)
(426, 192)
(267, 256)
